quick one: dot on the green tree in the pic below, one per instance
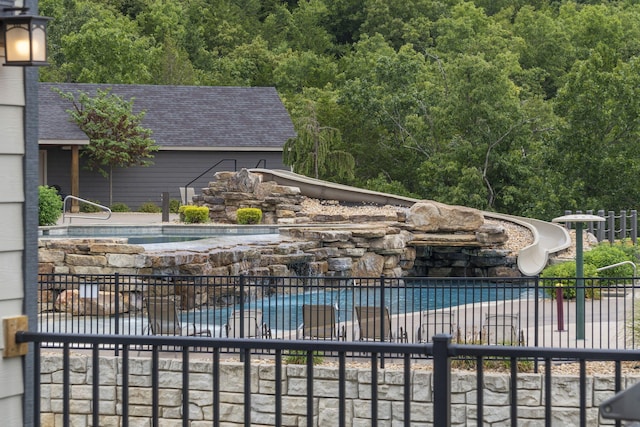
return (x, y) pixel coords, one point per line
(108, 49)
(316, 150)
(600, 136)
(116, 136)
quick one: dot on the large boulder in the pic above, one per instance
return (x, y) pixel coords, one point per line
(433, 217)
(92, 304)
(243, 182)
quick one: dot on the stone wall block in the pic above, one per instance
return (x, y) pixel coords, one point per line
(362, 409)
(54, 256)
(86, 260)
(127, 260)
(340, 264)
(369, 265)
(566, 391)
(436, 217)
(120, 248)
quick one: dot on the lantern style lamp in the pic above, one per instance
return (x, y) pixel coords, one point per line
(25, 38)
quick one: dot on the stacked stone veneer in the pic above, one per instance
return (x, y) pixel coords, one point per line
(234, 190)
(357, 251)
(496, 389)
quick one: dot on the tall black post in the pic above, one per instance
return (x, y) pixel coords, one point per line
(441, 381)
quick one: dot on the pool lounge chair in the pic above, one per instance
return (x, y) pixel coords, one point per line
(437, 322)
(372, 321)
(251, 322)
(163, 319)
(502, 329)
(320, 322)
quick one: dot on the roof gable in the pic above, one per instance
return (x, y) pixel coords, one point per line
(182, 116)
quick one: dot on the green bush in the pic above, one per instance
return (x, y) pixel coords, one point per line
(606, 254)
(249, 216)
(120, 207)
(49, 205)
(149, 207)
(174, 205)
(195, 214)
(87, 208)
(632, 251)
(299, 357)
(565, 274)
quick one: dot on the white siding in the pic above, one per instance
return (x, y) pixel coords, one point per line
(11, 173)
(12, 243)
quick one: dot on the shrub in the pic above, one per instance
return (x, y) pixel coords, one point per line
(632, 251)
(249, 216)
(174, 206)
(299, 357)
(49, 205)
(120, 207)
(87, 208)
(149, 207)
(606, 254)
(195, 214)
(565, 274)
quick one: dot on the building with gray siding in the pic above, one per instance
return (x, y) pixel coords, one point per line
(200, 130)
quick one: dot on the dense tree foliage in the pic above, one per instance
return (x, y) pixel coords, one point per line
(526, 107)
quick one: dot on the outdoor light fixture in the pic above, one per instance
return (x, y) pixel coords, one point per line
(24, 37)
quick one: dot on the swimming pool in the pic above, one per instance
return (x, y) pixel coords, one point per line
(156, 233)
(284, 311)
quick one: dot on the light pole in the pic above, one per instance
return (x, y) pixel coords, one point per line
(579, 219)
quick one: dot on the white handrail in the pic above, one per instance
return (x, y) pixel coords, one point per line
(71, 216)
(618, 264)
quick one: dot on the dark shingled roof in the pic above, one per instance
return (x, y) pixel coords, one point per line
(182, 116)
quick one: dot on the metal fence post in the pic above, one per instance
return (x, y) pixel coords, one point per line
(382, 318)
(242, 280)
(441, 381)
(117, 307)
(634, 226)
(612, 226)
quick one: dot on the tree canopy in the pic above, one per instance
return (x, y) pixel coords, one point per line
(116, 135)
(526, 107)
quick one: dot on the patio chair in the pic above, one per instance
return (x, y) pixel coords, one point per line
(502, 329)
(251, 322)
(320, 322)
(163, 319)
(437, 322)
(371, 322)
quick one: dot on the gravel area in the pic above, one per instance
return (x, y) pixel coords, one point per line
(519, 236)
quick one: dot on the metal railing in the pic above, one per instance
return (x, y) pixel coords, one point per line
(66, 215)
(615, 227)
(442, 352)
(210, 169)
(513, 311)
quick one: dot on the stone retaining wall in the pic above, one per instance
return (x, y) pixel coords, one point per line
(361, 250)
(565, 392)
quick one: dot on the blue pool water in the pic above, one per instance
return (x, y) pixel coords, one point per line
(284, 312)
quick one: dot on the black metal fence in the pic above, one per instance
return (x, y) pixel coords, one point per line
(442, 350)
(523, 311)
(615, 227)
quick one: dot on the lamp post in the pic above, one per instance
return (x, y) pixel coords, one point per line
(579, 220)
(24, 37)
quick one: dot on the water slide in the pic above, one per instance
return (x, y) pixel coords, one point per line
(548, 238)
